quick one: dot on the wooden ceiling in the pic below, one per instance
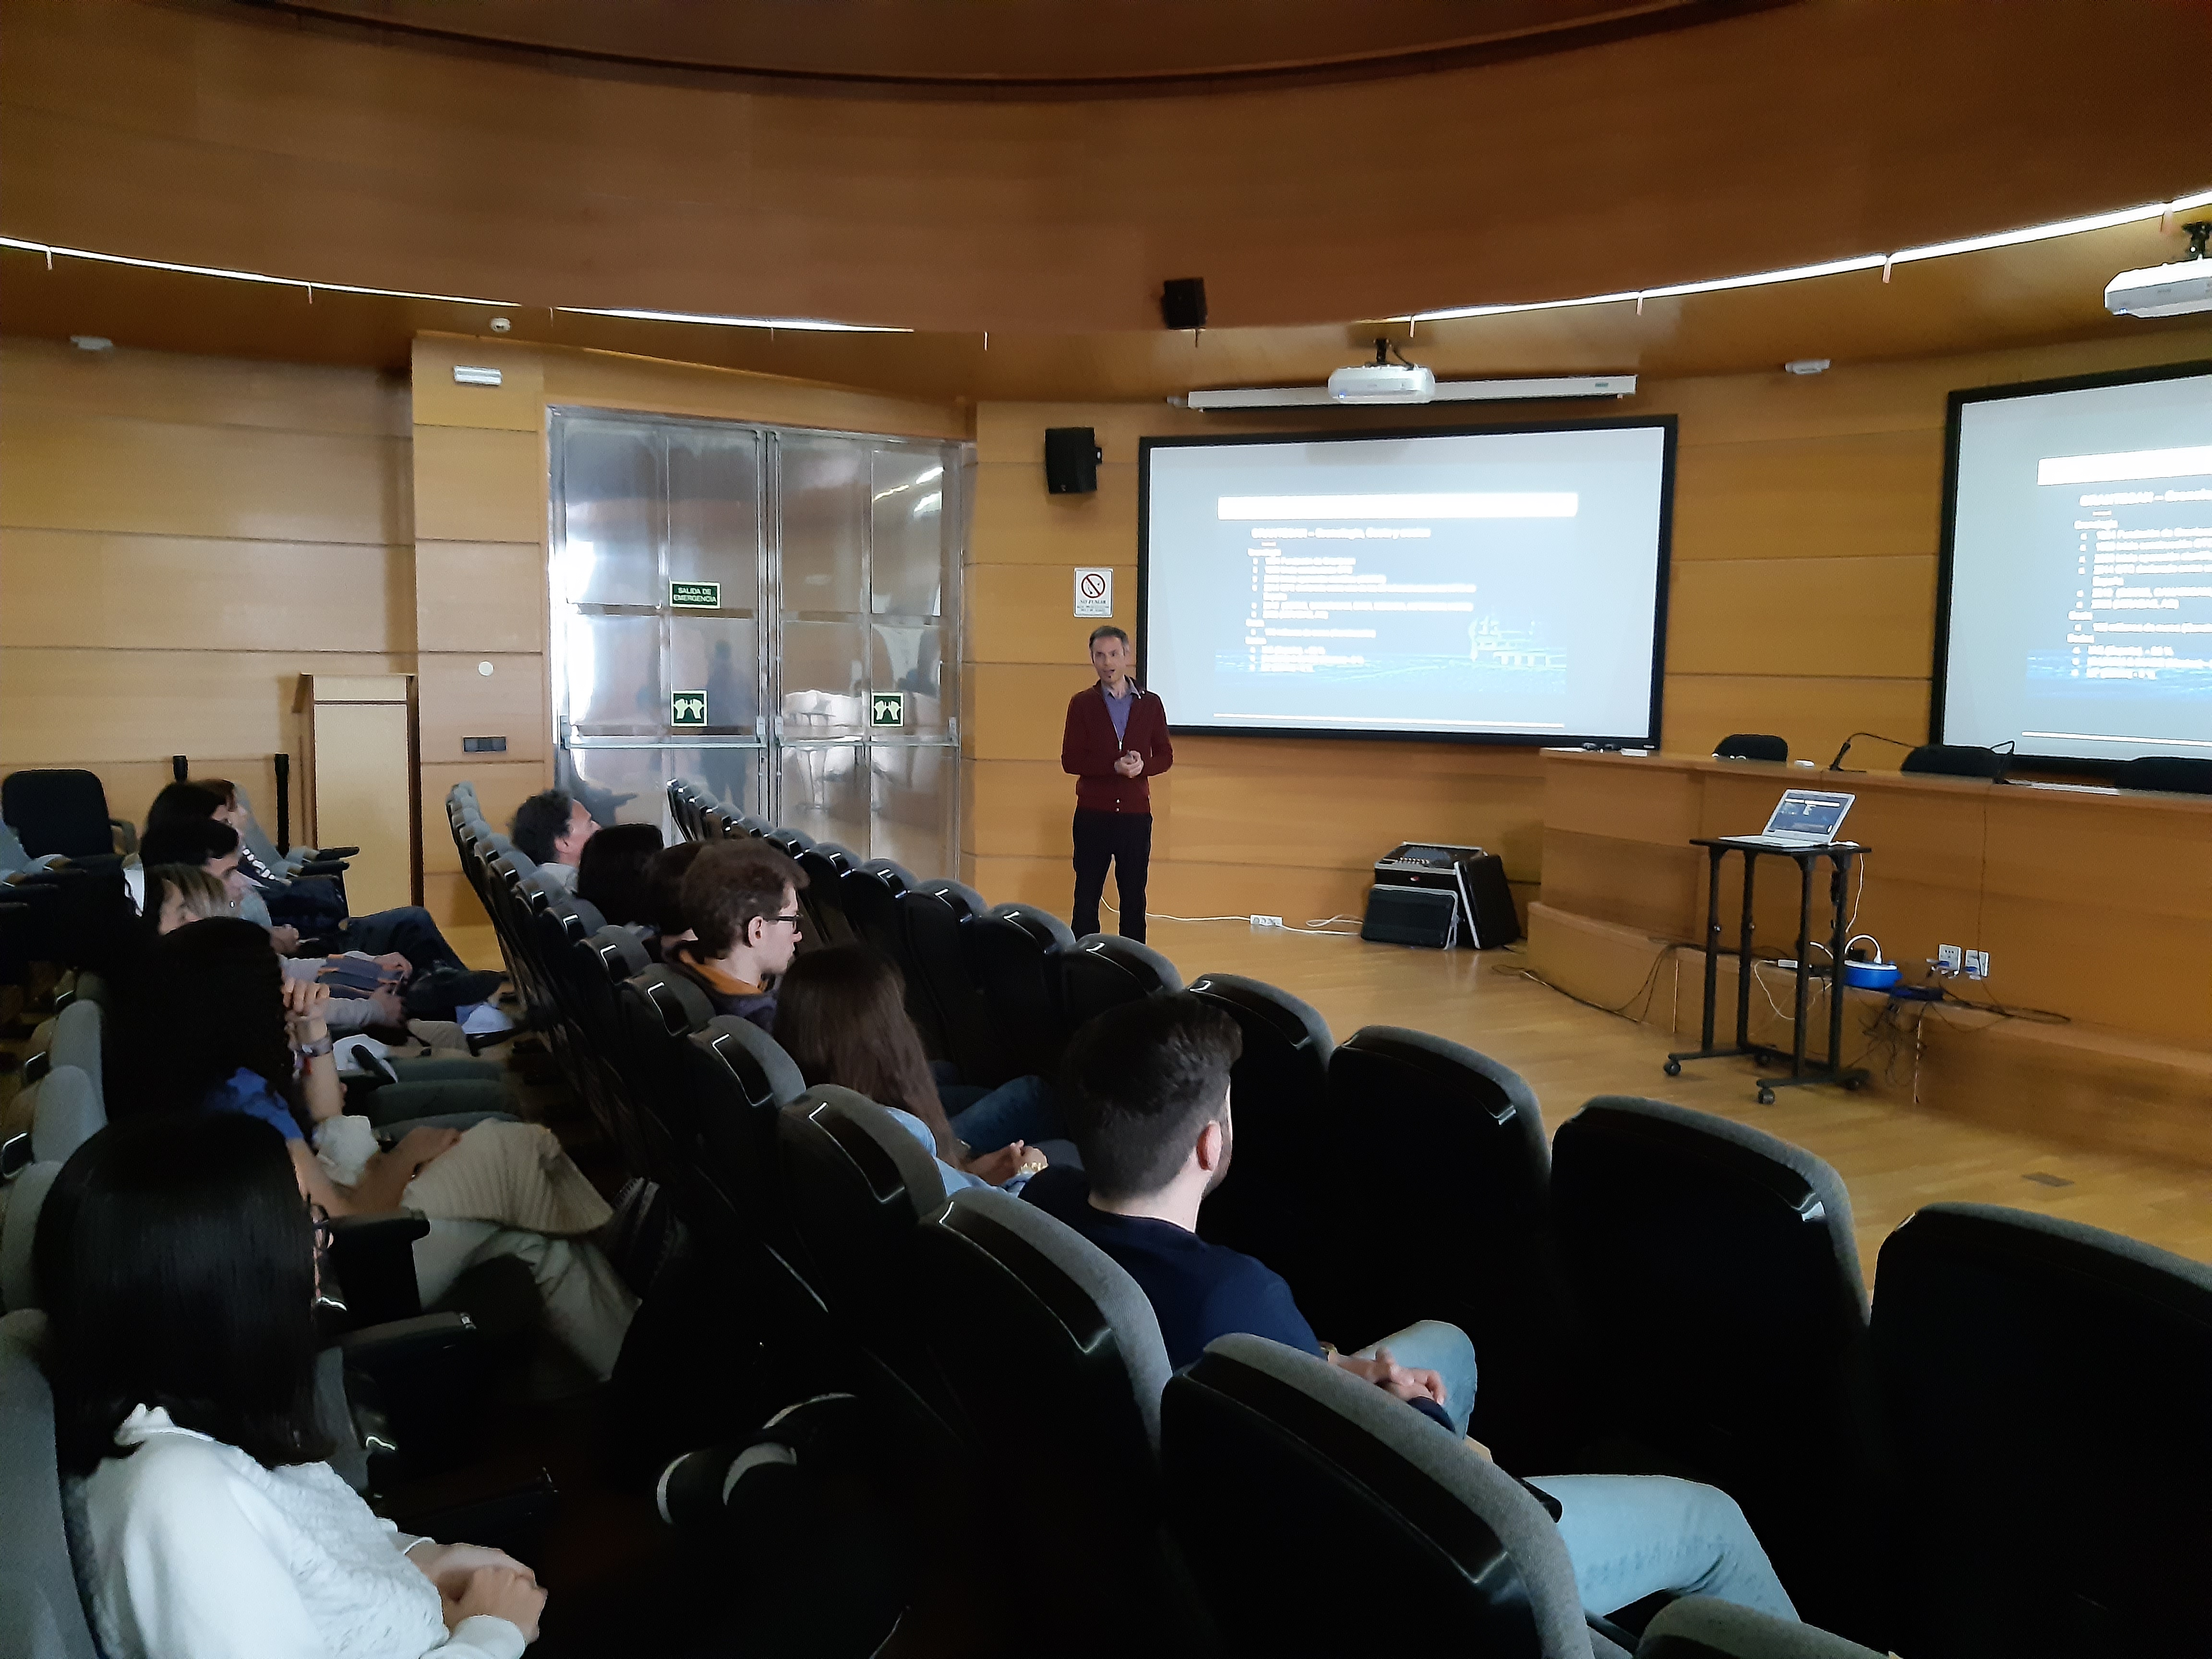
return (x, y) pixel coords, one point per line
(212, 133)
(2032, 293)
(978, 47)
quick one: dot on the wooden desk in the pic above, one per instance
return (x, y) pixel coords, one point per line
(2093, 905)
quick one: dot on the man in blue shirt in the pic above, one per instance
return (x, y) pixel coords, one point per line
(1146, 1098)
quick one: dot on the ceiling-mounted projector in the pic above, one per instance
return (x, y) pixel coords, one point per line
(1383, 382)
(2174, 290)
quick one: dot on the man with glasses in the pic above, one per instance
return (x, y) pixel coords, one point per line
(742, 901)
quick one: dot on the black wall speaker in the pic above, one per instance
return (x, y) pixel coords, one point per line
(1071, 460)
(1182, 302)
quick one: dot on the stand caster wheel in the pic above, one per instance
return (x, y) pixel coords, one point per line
(1766, 1096)
(1673, 1068)
(1853, 1083)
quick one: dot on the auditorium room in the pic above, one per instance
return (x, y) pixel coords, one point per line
(1202, 828)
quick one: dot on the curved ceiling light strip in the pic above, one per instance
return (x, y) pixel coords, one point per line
(53, 251)
(1758, 279)
(1837, 267)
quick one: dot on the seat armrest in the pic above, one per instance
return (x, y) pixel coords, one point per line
(373, 1259)
(36, 1067)
(327, 853)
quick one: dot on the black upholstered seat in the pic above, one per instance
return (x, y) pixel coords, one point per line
(1278, 1088)
(1106, 970)
(2048, 1388)
(1311, 1500)
(1718, 1265)
(932, 917)
(1436, 1207)
(1016, 952)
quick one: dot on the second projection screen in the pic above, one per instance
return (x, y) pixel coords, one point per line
(1498, 585)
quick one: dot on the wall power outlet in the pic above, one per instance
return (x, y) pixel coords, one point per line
(1950, 958)
(1977, 964)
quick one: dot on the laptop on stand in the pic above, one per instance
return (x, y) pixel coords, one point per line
(1803, 817)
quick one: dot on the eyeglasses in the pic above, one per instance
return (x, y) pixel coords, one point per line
(791, 920)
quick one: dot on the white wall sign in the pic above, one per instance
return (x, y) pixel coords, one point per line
(1094, 591)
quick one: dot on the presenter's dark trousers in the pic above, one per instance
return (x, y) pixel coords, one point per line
(1125, 841)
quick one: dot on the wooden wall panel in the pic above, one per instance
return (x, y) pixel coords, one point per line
(63, 471)
(74, 706)
(517, 404)
(198, 391)
(93, 589)
(458, 701)
(501, 785)
(1851, 494)
(1863, 618)
(476, 485)
(1025, 613)
(607, 379)
(480, 596)
(1020, 521)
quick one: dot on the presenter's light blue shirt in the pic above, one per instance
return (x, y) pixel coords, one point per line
(1117, 709)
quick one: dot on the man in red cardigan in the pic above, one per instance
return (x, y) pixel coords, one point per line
(1117, 737)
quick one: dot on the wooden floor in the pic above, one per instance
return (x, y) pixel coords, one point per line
(1893, 1159)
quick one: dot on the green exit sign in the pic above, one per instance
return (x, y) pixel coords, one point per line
(887, 708)
(694, 596)
(687, 708)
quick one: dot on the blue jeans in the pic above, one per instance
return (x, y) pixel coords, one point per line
(1431, 1345)
(1630, 1535)
(989, 1119)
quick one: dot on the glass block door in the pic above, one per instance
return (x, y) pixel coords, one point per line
(658, 565)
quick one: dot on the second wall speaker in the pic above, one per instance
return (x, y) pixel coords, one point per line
(1071, 460)
(1182, 302)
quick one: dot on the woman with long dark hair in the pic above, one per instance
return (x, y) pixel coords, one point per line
(177, 1262)
(841, 1014)
(210, 1026)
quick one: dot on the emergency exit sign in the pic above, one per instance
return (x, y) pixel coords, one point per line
(687, 708)
(887, 708)
(694, 596)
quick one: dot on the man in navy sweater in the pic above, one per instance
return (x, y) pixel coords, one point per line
(1145, 1097)
(1116, 736)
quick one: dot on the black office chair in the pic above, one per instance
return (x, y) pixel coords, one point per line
(2174, 774)
(1720, 1263)
(2046, 1388)
(1752, 745)
(1957, 760)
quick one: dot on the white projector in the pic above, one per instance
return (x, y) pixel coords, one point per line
(1381, 383)
(2172, 290)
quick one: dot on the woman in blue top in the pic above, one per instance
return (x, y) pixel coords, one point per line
(211, 1024)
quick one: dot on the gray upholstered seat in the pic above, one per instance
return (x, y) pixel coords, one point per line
(39, 1608)
(68, 1114)
(77, 1041)
(1316, 1501)
(1705, 1627)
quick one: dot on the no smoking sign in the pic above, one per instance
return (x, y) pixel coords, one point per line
(1094, 591)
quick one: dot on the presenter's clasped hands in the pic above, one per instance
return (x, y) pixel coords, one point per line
(1130, 764)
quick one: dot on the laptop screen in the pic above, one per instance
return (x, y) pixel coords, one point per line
(1809, 812)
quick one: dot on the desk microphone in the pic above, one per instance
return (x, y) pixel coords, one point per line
(1836, 764)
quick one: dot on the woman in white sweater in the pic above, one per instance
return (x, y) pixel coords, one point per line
(176, 1258)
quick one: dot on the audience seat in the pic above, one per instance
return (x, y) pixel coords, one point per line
(1311, 1500)
(934, 916)
(822, 899)
(1015, 952)
(2175, 774)
(1279, 1093)
(1704, 1627)
(1106, 970)
(39, 1602)
(1435, 1207)
(855, 1184)
(64, 811)
(1053, 1358)
(1718, 1264)
(660, 1008)
(2048, 1387)
(739, 1080)
(870, 893)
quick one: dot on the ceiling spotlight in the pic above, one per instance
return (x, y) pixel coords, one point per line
(92, 343)
(1805, 365)
(500, 326)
